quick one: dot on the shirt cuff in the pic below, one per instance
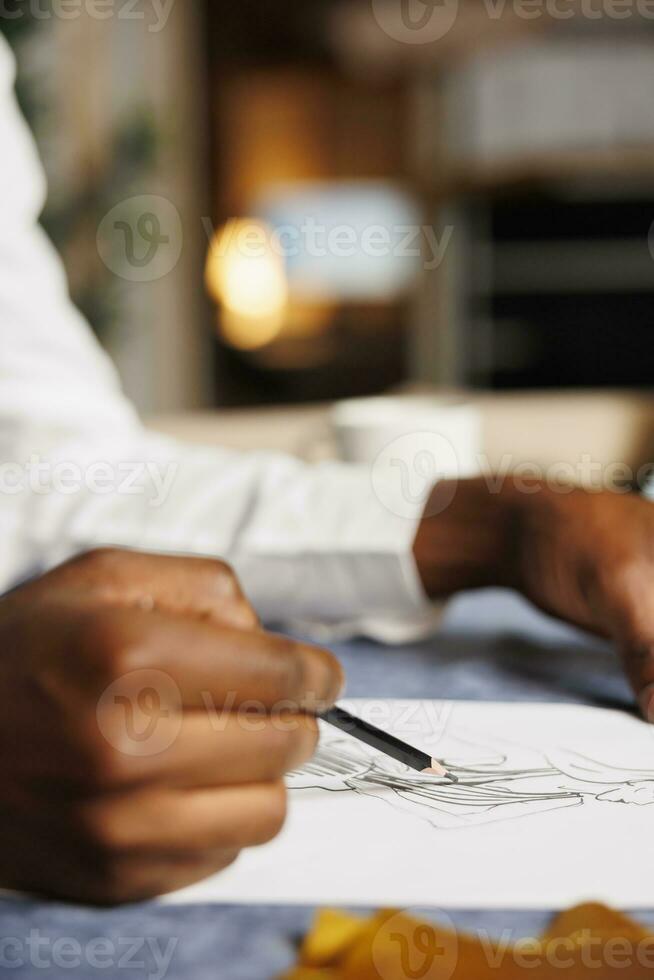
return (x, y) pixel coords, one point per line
(339, 557)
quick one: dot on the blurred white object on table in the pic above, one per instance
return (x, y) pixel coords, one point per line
(364, 428)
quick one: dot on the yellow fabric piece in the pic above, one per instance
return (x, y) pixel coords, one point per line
(333, 935)
(587, 941)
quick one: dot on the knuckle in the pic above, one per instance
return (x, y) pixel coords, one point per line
(216, 581)
(222, 569)
(218, 593)
(221, 575)
(245, 616)
(100, 559)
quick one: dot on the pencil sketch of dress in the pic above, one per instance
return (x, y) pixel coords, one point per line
(502, 782)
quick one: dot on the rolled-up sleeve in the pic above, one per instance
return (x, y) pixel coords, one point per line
(78, 470)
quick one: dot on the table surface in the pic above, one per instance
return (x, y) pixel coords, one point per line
(492, 646)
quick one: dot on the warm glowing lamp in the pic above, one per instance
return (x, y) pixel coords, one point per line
(246, 275)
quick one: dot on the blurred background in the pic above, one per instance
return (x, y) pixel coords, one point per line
(371, 194)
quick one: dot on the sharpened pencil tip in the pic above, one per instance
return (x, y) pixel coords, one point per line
(441, 772)
(438, 769)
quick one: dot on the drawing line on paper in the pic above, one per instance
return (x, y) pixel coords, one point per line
(504, 781)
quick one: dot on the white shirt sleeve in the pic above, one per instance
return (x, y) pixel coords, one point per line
(78, 470)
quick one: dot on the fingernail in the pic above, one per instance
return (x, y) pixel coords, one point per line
(646, 701)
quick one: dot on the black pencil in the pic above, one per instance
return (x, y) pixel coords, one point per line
(385, 742)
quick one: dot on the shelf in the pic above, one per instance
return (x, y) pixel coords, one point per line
(632, 164)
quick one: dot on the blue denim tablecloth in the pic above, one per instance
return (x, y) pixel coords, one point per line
(492, 647)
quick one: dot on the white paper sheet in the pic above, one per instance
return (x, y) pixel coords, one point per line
(555, 805)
